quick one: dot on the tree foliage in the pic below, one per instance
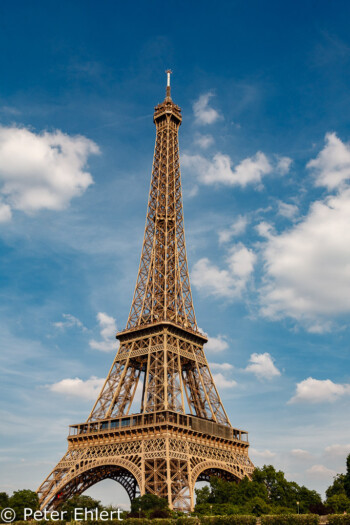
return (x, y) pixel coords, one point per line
(78, 502)
(338, 494)
(347, 477)
(4, 500)
(23, 499)
(150, 506)
(267, 493)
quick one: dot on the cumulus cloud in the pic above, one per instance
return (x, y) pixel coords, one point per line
(237, 228)
(108, 331)
(283, 165)
(263, 454)
(219, 170)
(69, 322)
(307, 268)
(265, 229)
(41, 171)
(338, 450)
(320, 471)
(262, 366)
(228, 282)
(223, 382)
(204, 141)
(332, 165)
(76, 387)
(221, 366)
(319, 391)
(216, 344)
(287, 210)
(301, 454)
(5, 212)
(203, 113)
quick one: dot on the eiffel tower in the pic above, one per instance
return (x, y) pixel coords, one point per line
(181, 434)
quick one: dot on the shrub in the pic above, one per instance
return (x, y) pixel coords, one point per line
(137, 521)
(187, 521)
(290, 519)
(228, 520)
(339, 519)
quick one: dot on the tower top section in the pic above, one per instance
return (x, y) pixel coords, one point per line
(163, 292)
(167, 108)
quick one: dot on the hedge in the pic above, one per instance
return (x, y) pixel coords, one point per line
(184, 520)
(339, 519)
(291, 519)
(234, 519)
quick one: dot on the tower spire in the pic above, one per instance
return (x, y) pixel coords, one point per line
(168, 95)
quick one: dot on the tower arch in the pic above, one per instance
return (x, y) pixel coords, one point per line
(85, 474)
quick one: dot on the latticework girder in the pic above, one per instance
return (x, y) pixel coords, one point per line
(181, 432)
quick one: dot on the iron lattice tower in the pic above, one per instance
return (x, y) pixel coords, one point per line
(181, 434)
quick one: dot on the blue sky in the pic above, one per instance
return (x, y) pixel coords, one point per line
(265, 156)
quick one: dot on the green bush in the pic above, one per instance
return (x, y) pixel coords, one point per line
(187, 521)
(228, 520)
(137, 521)
(290, 519)
(145, 521)
(339, 519)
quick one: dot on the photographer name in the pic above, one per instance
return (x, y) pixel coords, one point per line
(78, 514)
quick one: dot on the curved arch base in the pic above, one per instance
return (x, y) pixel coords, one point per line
(90, 477)
(167, 466)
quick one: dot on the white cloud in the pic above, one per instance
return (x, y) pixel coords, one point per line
(108, 331)
(204, 141)
(88, 389)
(216, 344)
(237, 228)
(222, 382)
(203, 113)
(319, 391)
(320, 471)
(221, 366)
(42, 171)
(5, 212)
(265, 229)
(332, 165)
(219, 170)
(287, 210)
(262, 366)
(69, 322)
(338, 450)
(229, 282)
(283, 165)
(263, 454)
(301, 454)
(307, 268)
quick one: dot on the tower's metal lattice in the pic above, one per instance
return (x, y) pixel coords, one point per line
(181, 434)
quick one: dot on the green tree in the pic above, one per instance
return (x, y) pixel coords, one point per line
(150, 506)
(347, 477)
(22, 499)
(339, 503)
(258, 507)
(267, 492)
(337, 486)
(283, 493)
(78, 502)
(202, 495)
(4, 500)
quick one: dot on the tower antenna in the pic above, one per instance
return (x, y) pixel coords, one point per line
(168, 73)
